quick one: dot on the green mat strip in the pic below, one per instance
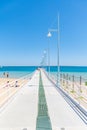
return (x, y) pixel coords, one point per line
(43, 120)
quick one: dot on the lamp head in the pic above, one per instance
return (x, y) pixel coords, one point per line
(44, 51)
(49, 34)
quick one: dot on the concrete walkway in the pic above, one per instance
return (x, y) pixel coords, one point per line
(22, 111)
(60, 113)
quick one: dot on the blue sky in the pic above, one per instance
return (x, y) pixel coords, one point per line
(24, 26)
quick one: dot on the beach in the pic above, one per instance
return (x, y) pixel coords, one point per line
(9, 86)
(12, 78)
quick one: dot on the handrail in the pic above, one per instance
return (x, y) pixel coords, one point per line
(80, 110)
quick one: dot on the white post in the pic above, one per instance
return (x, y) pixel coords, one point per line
(58, 64)
(48, 57)
(58, 46)
(49, 35)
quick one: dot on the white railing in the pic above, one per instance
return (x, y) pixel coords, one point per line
(73, 86)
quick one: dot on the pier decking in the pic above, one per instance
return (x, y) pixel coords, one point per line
(22, 112)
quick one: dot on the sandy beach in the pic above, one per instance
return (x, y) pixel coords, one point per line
(9, 86)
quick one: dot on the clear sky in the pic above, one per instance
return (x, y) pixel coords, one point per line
(24, 26)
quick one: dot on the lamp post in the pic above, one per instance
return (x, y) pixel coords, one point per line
(58, 46)
(49, 35)
(45, 58)
(43, 62)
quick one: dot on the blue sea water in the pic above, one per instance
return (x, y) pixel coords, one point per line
(18, 68)
(71, 70)
(18, 71)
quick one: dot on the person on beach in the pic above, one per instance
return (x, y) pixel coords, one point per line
(16, 84)
(7, 85)
(7, 75)
(4, 73)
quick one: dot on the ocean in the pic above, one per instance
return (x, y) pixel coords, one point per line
(16, 71)
(19, 71)
(69, 68)
(77, 71)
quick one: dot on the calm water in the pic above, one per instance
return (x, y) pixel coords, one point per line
(18, 71)
(71, 70)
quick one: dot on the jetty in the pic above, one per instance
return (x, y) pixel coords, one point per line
(40, 105)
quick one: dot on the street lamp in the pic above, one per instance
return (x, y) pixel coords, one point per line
(45, 58)
(49, 35)
(43, 62)
(58, 44)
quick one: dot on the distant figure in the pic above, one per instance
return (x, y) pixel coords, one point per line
(16, 84)
(7, 85)
(4, 74)
(7, 75)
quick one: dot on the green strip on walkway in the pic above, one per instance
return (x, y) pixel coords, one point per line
(43, 120)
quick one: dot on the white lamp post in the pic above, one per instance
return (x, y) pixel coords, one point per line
(58, 44)
(49, 35)
(43, 61)
(45, 58)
